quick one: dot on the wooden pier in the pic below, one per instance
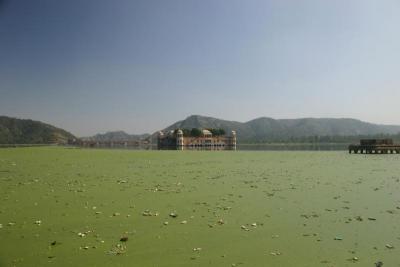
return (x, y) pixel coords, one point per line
(375, 146)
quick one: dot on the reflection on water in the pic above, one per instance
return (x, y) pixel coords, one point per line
(291, 147)
(253, 147)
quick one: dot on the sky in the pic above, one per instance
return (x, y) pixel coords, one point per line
(92, 66)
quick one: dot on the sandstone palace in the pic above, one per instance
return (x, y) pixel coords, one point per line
(205, 139)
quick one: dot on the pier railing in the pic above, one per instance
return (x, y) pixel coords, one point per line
(374, 149)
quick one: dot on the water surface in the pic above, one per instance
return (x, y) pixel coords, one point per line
(70, 207)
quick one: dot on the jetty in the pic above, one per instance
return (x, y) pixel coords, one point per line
(375, 146)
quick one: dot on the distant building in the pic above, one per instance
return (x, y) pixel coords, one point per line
(205, 140)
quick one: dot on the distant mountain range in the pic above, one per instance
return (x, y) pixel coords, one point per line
(18, 131)
(116, 136)
(261, 130)
(288, 130)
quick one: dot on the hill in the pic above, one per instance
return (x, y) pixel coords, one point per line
(288, 130)
(20, 131)
(116, 136)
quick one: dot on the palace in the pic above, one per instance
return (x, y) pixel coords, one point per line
(204, 140)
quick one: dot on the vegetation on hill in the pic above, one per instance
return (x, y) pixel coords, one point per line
(19, 131)
(261, 130)
(217, 132)
(116, 136)
(268, 130)
(196, 132)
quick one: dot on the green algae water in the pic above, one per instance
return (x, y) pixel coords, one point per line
(76, 207)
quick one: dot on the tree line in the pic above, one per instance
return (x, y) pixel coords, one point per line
(196, 132)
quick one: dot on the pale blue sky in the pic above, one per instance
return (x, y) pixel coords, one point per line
(91, 66)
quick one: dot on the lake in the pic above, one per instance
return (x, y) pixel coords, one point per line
(110, 207)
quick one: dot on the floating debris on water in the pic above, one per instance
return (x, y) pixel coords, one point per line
(149, 213)
(118, 249)
(81, 234)
(204, 204)
(124, 239)
(275, 253)
(244, 227)
(354, 259)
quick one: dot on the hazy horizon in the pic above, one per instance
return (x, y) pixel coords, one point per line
(138, 66)
(165, 126)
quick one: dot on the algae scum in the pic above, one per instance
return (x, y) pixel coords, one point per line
(73, 207)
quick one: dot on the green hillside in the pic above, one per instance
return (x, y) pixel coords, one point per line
(116, 136)
(19, 131)
(290, 130)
